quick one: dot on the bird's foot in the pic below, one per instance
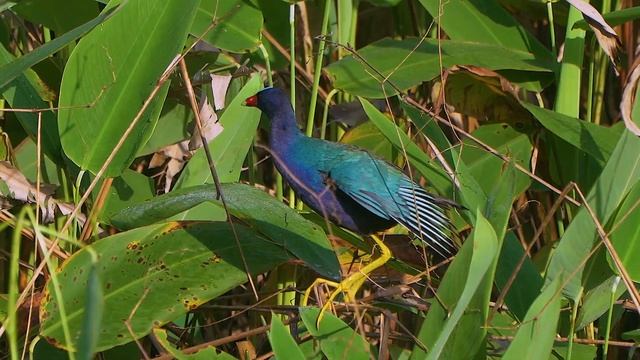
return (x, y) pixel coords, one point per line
(349, 286)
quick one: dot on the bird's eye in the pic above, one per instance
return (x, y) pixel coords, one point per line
(251, 101)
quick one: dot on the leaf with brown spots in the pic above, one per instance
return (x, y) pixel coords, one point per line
(144, 284)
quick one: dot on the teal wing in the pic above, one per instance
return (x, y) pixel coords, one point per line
(388, 193)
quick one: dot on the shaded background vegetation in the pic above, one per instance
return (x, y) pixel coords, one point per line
(116, 243)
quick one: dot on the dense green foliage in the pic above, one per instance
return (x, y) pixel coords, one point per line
(121, 237)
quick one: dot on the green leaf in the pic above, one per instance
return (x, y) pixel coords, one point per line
(632, 335)
(127, 55)
(484, 21)
(598, 300)
(24, 93)
(15, 68)
(528, 282)
(486, 167)
(26, 160)
(208, 353)
(3, 307)
(237, 28)
(265, 214)
(456, 292)
(93, 314)
(230, 147)
(58, 16)
(369, 137)
(172, 127)
(620, 173)
(597, 141)
(407, 66)
(337, 339)
(283, 345)
(625, 234)
(537, 332)
(153, 275)
(386, 3)
(127, 189)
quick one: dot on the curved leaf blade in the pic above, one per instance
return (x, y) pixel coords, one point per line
(154, 267)
(485, 248)
(283, 345)
(407, 65)
(538, 329)
(127, 55)
(337, 340)
(237, 28)
(269, 217)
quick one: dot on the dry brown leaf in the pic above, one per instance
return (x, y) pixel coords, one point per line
(629, 98)
(219, 86)
(15, 186)
(211, 127)
(177, 155)
(481, 94)
(607, 37)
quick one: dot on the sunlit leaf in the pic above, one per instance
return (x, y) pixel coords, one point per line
(265, 214)
(126, 55)
(154, 274)
(337, 339)
(538, 329)
(407, 63)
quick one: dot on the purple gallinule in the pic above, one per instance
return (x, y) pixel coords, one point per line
(351, 188)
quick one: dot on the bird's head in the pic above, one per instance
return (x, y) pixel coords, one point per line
(270, 100)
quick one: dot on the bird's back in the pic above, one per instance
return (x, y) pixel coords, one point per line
(366, 194)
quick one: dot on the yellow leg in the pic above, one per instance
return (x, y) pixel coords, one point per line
(351, 284)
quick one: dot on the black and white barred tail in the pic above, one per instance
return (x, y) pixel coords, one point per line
(424, 215)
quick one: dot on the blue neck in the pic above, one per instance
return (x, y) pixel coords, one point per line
(284, 129)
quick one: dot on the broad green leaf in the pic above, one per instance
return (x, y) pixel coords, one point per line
(598, 300)
(11, 70)
(24, 93)
(367, 136)
(237, 24)
(384, 2)
(597, 141)
(230, 147)
(127, 56)
(632, 335)
(407, 66)
(59, 16)
(208, 353)
(172, 127)
(127, 189)
(266, 215)
(445, 330)
(620, 173)
(537, 332)
(168, 270)
(337, 340)
(528, 282)
(489, 169)
(484, 95)
(625, 234)
(484, 21)
(283, 345)
(26, 159)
